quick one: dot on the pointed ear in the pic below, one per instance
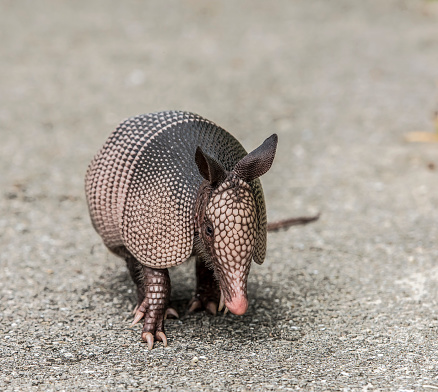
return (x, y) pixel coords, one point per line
(257, 162)
(209, 168)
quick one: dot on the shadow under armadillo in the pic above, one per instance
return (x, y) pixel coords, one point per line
(275, 313)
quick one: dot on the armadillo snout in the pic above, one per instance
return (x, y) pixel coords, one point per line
(232, 212)
(238, 305)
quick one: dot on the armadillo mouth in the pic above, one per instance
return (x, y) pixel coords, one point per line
(238, 304)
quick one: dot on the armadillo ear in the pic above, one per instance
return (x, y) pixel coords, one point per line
(209, 168)
(257, 162)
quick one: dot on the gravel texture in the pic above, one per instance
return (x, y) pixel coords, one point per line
(347, 303)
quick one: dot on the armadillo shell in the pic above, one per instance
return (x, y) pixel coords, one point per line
(142, 185)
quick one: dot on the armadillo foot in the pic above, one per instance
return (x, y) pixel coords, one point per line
(153, 329)
(153, 321)
(170, 313)
(208, 294)
(154, 306)
(197, 304)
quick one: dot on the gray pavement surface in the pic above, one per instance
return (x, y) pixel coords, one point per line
(348, 303)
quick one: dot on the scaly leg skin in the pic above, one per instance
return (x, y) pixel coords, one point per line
(135, 270)
(207, 290)
(155, 287)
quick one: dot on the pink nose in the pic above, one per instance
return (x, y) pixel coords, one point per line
(238, 305)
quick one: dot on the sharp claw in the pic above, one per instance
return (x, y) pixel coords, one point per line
(171, 312)
(162, 337)
(221, 302)
(212, 308)
(138, 316)
(196, 304)
(226, 311)
(149, 339)
(135, 310)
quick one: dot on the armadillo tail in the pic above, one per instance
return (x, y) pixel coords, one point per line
(285, 223)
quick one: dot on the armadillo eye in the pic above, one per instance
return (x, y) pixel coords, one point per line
(209, 230)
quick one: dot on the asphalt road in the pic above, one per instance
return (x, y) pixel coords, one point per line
(347, 303)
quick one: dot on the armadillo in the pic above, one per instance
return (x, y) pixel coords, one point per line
(170, 185)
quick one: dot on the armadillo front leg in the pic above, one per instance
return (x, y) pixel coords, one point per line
(207, 290)
(156, 291)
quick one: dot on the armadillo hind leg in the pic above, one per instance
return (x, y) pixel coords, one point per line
(154, 306)
(136, 270)
(207, 290)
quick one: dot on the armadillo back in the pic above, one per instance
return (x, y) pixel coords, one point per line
(142, 185)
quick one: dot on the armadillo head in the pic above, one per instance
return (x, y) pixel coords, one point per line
(226, 223)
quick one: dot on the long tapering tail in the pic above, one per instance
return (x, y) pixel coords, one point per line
(285, 223)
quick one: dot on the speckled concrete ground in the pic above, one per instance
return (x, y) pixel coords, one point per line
(348, 303)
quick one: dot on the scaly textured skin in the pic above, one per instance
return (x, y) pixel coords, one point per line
(141, 186)
(169, 185)
(155, 302)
